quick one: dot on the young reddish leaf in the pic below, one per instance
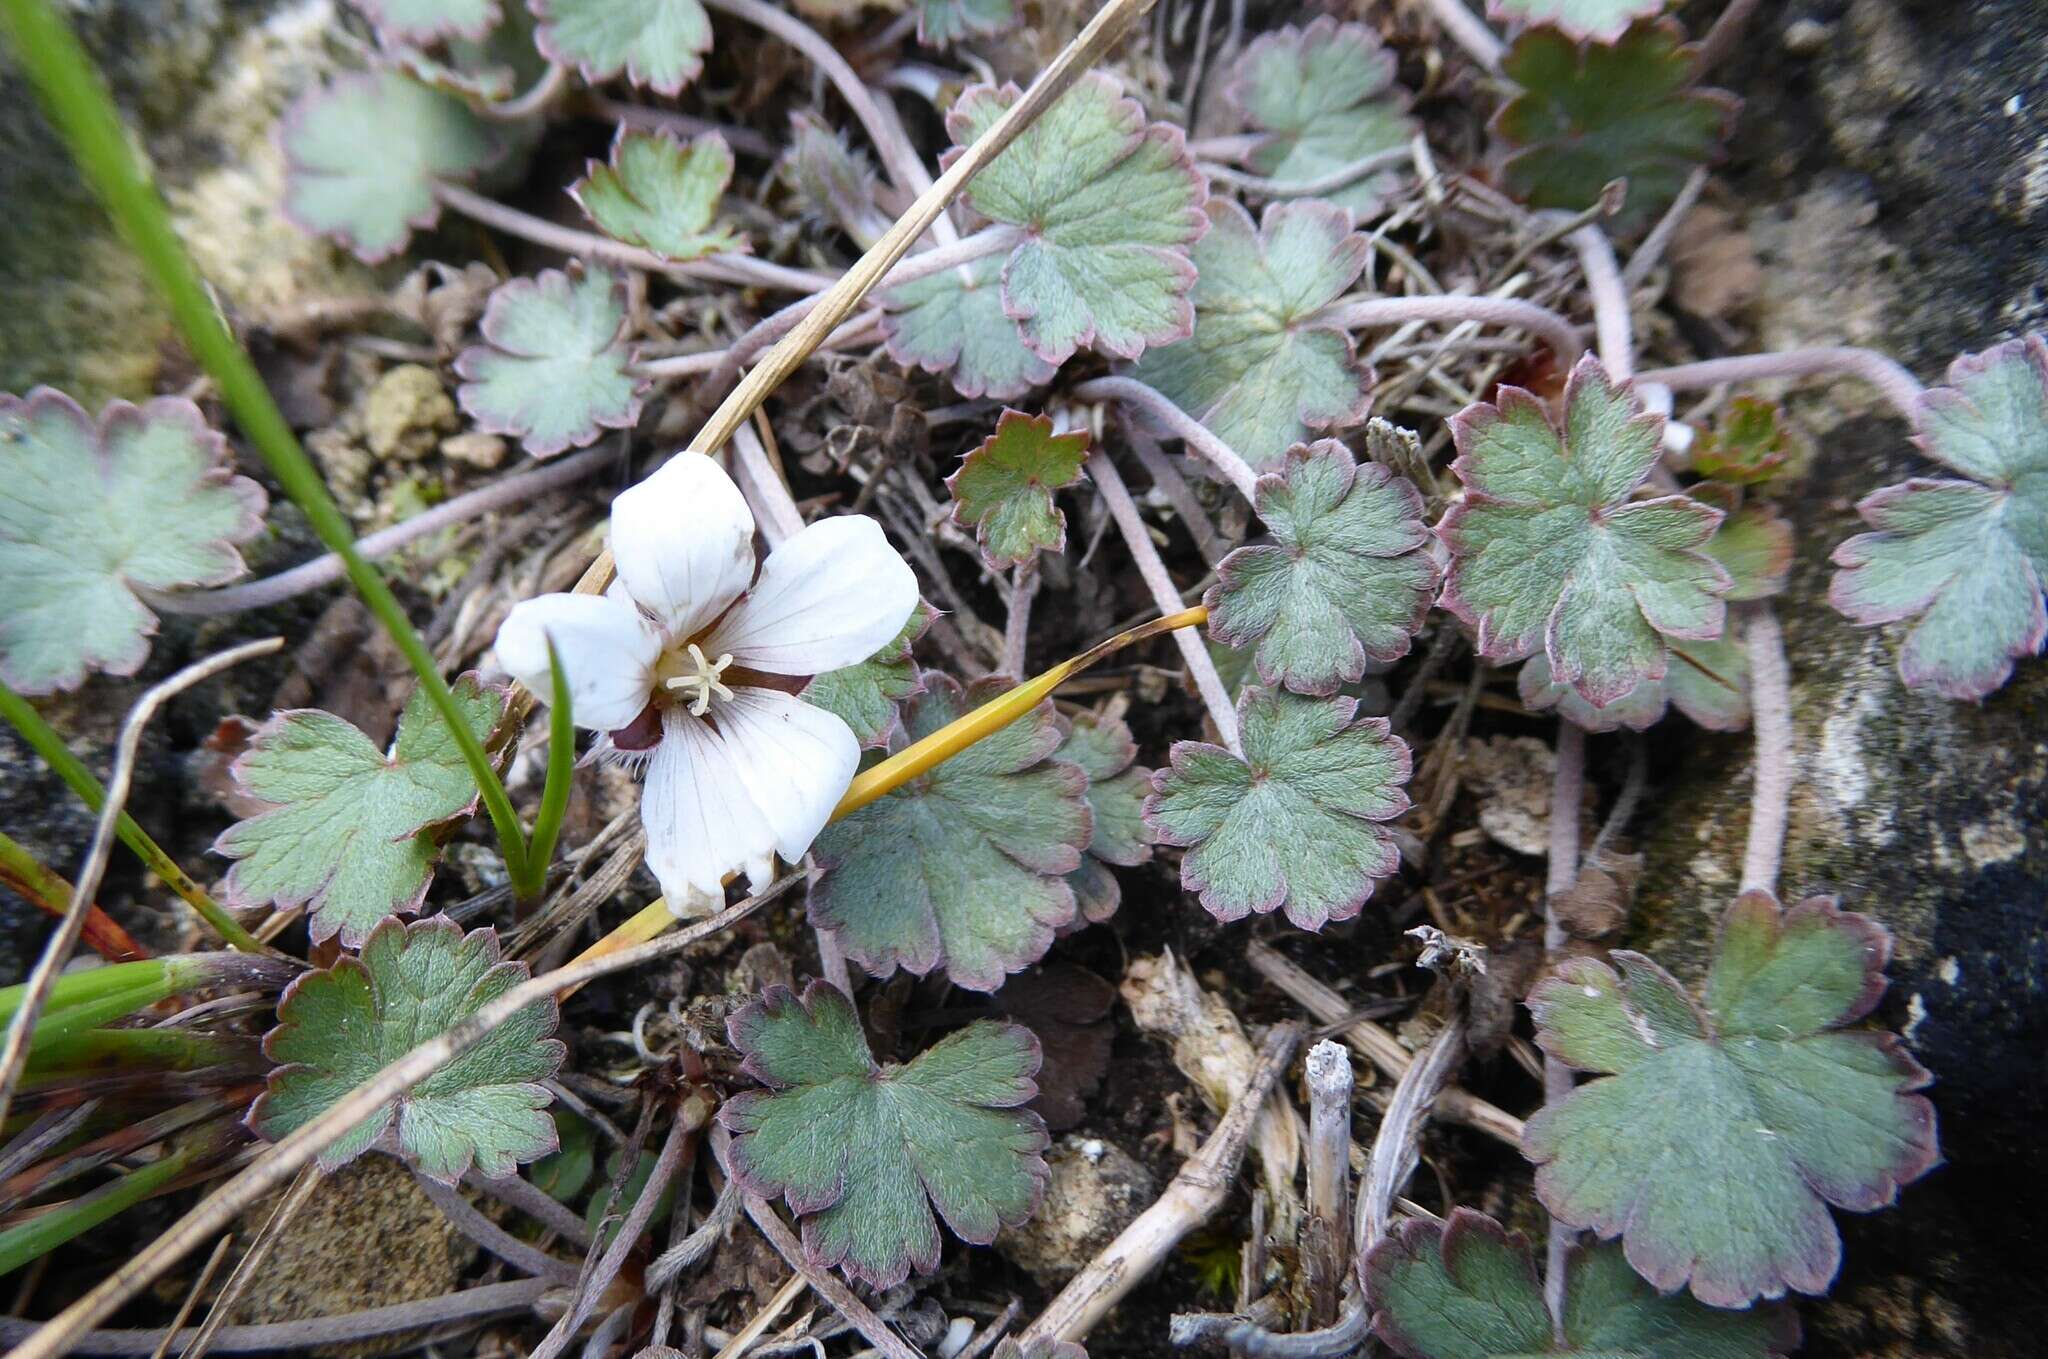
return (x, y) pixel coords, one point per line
(338, 1027)
(1707, 681)
(551, 370)
(90, 511)
(345, 833)
(1966, 559)
(1311, 775)
(362, 156)
(1548, 549)
(941, 23)
(1004, 487)
(1117, 787)
(965, 867)
(1325, 97)
(658, 193)
(1746, 446)
(1466, 1288)
(1592, 113)
(865, 696)
(1602, 19)
(1110, 204)
(863, 1153)
(1721, 1130)
(659, 44)
(1258, 370)
(424, 21)
(1347, 578)
(950, 324)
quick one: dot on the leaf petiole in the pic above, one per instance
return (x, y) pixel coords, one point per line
(554, 796)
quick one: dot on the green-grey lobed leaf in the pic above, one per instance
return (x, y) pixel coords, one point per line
(659, 193)
(941, 23)
(1725, 1129)
(1003, 488)
(345, 832)
(1117, 787)
(1325, 97)
(89, 512)
(658, 44)
(1707, 681)
(964, 867)
(1110, 204)
(1547, 548)
(1591, 113)
(865, 696)
(1465, 1288)
(339, 1027)
(423, 21)
(1348, 577)
(1313, 773)
(1966, 560)
(552, 371)
(1602, 19)
(363, 153)
(953, 324)
(864, 1153)
(1257, 370)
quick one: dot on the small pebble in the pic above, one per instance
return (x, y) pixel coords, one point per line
(475, 448)
(1807, 37)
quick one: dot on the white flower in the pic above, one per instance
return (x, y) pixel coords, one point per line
(694, 655)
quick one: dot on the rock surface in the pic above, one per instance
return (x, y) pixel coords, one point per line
(1896, 163)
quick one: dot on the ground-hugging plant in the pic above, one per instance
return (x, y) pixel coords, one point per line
(983, 827)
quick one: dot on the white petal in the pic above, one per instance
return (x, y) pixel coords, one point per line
(795, 759)
(700, 822)
(684, 541)
(606, 649)
(829, 597)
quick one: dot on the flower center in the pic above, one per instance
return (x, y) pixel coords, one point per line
(701, 681)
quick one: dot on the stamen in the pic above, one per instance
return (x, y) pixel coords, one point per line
(701, 686)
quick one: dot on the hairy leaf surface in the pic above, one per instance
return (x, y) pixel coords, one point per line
(551, 370)
(338, 1027)
(865, 696)
(1595, 112)
(1004, 487)
(659, 193)
(965, 867)
(1465, 1288)
(363, 153)
(1117, 787)
(1110, 203)
(1548, 549)
(659, 44)
(1258, 370)
(91, 510)
(1721, 1129)
(1325, 97)
(1602, 19)
(1313, 774)
(864, 1153)
(345, 835)
(1965, 559)
(1347, 578)
(1707, 681)
(955, 325)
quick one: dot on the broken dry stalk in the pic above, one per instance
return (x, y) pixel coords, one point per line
(1376, 1045)
(857, 1314)
(1329, 1177)
(1196, 1192)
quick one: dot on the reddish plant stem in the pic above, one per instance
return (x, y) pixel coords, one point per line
(1553, 329)
(1611, 324)
(1567, 787)
(1900, 389)
(1770, 706)
(1197, 436)
(1165, 594)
